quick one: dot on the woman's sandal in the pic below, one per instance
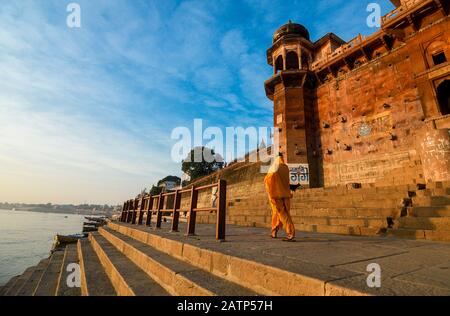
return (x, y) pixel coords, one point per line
(289, 239)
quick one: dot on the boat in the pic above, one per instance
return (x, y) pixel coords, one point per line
(62, 240)
(96, 219)
(89, 229)
(69, 239)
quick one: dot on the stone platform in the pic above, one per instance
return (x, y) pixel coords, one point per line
(317, 264)
(131, 260)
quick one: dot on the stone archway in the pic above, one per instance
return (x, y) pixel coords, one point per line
(443, 95)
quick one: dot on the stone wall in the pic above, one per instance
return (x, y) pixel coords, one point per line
(371, 118)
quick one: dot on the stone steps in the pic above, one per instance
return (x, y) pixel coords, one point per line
(126, 277)
(8, 286)
(433, 192)
(340, 221)
(429, 211)
(94, 281)
(425, 223)
(260, 278)
(31, 284)
(70, 259)
(321, 212)
(431, 200)
(339, 229)
(20, 282)
(176, 276)
(421, 234)
(49, 280)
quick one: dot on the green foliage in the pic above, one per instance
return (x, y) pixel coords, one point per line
(210, 163)
(170, 179)
(155, 190)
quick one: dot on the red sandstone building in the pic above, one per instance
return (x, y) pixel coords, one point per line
(376, 106)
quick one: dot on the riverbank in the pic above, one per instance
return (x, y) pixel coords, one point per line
(27, 237)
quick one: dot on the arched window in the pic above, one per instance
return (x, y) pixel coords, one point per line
(292, 61)
(279, 64)
(443, 94)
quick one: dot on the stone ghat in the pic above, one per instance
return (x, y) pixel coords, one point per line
(415, 210)
(131, 260)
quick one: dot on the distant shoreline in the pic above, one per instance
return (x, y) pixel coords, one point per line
(58, 211)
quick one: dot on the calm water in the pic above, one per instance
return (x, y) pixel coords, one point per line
(26, 238)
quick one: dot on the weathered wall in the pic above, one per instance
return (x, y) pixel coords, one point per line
(372, 117)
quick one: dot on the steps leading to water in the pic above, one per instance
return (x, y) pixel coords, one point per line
(30, 285)
(70, 259)
(176, 276)
(94, 280)
(258, 278)
(124, 259)
(48, 283)
(126, 277)
(21, 280)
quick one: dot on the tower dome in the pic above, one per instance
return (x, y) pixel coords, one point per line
(291, 29)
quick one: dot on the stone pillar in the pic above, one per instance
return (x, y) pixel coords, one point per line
(284, 59)
(434, 150)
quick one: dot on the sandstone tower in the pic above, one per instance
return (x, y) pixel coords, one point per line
(375, 109)
(291, 88)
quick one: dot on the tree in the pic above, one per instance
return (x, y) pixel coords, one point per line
(201, 162)
(155, 190)
(174, 179)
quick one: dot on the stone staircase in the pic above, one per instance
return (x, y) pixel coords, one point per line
(45, 279)
(112, 263)
(428, 214)
(135, 260)
(412, 211)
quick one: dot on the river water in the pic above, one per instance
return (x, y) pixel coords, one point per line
(27, 237)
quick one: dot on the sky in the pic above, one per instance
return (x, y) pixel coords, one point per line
(86, 114)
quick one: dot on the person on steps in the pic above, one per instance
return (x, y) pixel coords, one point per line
(277, 184)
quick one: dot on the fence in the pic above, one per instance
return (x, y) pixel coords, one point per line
(133, 211)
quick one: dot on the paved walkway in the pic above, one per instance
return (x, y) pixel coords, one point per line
(408, 267)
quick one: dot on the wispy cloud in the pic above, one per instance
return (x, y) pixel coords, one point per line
(86, 114)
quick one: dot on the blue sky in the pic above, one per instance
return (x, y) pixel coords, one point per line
(86, 114)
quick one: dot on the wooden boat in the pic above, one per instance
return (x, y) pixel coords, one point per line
(96, 219)
(70, 239)
(89, 229)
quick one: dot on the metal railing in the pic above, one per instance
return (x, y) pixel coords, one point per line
(133, 210)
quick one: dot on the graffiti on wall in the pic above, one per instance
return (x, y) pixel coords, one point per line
(376, 125)
(368, 170)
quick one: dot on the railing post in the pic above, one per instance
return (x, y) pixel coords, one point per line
(221, 211)
(176, 213)
(192, 214)
(135, 209)
(159, 212)
(130, 211)
(124, 207)
(141, 210)
(148, 221)
(125, 219)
